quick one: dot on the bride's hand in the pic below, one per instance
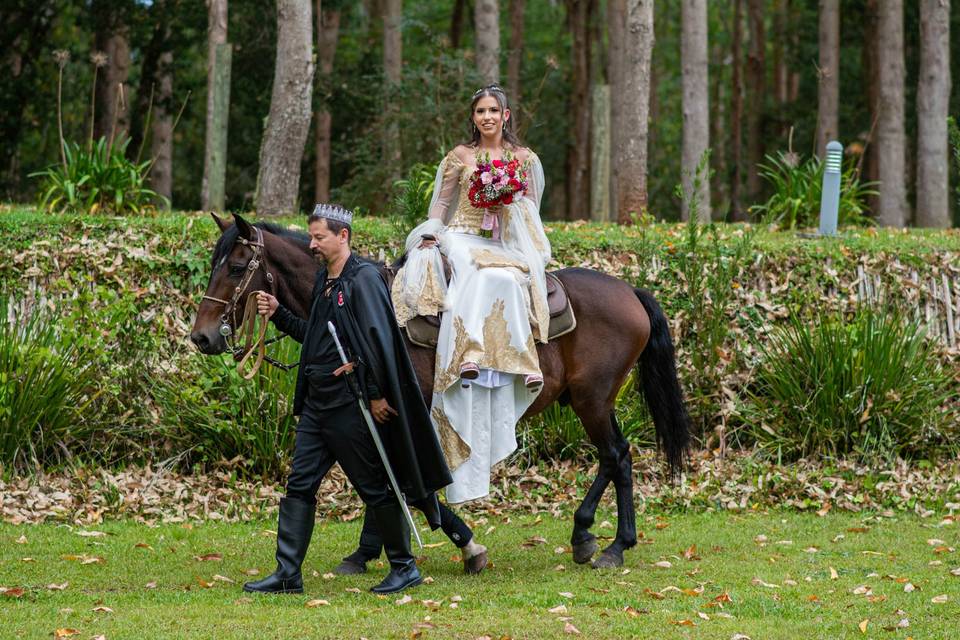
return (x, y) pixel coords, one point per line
(426, 243)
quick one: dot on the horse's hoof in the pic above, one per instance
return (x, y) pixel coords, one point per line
(475, 564)
(608, 560)
(583, 552)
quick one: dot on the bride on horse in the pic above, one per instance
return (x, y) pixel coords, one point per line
(484, 219)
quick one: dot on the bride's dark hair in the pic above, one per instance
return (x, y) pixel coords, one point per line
(494, 91)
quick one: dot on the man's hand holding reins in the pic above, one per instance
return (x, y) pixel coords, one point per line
(266, 304)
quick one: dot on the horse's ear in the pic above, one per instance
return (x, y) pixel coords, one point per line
(223, 224)
(246, 231)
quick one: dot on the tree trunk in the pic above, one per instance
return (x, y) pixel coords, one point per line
(515, 57)
(737, 210)
(719, 139)
(871, 78)
(829, 76)
(696, 110)
(216, 124)
(891, 137)
(290, 108)
(757, 89)
(456, 23)
(328, 28)
(933, 101)
(113, 113)
(630, 157)
(161, 129)
(392, 72)
(579, 151)
(616, 60)
(487, 26)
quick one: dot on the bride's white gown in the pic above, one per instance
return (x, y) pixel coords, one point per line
(494, 311)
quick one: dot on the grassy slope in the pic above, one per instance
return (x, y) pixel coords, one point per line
(513, 598)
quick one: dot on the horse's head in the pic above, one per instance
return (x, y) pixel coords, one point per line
(238, 268)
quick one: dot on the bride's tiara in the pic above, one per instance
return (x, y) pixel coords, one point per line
(489, 87)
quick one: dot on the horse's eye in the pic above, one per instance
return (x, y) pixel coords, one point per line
(236, 269)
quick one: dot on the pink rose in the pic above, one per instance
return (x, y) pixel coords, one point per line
(486, 178)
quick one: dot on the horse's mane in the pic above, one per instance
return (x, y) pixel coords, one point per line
(229, 238)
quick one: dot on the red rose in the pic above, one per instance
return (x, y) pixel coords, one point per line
(508, 199)
(515, 185)
(498, 164)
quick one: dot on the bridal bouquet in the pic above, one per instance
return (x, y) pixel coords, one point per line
(495, 183)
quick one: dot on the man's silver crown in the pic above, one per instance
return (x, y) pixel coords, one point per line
(333, 212)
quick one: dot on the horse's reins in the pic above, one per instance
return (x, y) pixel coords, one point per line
(247, 327)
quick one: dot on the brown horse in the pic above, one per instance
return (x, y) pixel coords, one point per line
(619, 327)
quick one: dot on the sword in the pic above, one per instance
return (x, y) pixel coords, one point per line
(376, 436)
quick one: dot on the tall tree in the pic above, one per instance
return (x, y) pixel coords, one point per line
(487, 27)
(630, 143)
(869, 60)
(933, 101)
(328, 28)
(616, 61)
(392, 68)
(828, 94)
(112, 38)
(161, 128)
(285, 134)
(515, 57)
(579, 14)
(892, 208)
(737, 210)
(757, 92)
(456, 23)
(696, 109)
(215, 132)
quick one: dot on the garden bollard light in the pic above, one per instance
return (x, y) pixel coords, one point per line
(830, 194)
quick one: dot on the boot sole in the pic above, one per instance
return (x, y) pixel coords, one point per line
(279, 591)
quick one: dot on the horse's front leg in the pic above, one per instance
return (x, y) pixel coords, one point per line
(622, 475)
(583, 542)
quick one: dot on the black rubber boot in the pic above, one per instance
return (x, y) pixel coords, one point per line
(295, 526)
(395, 533)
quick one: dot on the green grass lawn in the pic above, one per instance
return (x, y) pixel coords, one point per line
(776, 575)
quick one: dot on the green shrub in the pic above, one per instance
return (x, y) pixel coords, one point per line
(414, 193)
(870, 386)
(45, 384)
(97, 178)
(797, 186)
(210, 411)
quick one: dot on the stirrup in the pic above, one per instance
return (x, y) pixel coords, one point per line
(533, 382)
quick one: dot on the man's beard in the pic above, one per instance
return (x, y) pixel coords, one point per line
(319, 257)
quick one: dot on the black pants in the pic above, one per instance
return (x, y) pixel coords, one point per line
(337, 435)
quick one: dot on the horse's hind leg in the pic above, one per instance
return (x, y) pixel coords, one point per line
(620, 463)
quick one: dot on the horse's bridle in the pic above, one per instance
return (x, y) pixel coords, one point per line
(230, 306)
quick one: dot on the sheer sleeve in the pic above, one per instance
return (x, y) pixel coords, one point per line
(446, 187)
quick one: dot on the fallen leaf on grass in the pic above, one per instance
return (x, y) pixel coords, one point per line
(404, 600)
(934, 542)
(329, 576)
(352, 590)
(534, 541)
(723, 597)
(569, 628)
(22, 540)
(903, 624)
(858, 529)
(102, 609)
(833, 574)
(955, 572)
(634, 613)
(876, 599)
(663, 564)
(91, 534)
(761, 583)
(58, 587)
(150, 585)
(566, 594)
(313, 604)
(431, 604)
(142, 545)
(813, 598)
(203, 583)
(251, 572)
(684, 623)
(811, 550)
(702, 615)
(863, 625)
(428, 580)
(653, 594)
(14, 592)
(66, 633)
(456, 599)
(223, 579)
(939, 599)
(560, 608)
(909, 587)
(691, 553)
(208, 557)
(739, 636)
(863, 590)
(434, 545)
(83, 559)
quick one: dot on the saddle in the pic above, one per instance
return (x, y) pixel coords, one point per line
(424, 331)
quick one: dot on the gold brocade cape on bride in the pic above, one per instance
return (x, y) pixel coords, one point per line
(494, 311)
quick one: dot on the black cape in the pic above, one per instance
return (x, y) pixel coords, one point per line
(367, 318)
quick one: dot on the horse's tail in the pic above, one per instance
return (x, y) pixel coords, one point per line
(661, 388)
